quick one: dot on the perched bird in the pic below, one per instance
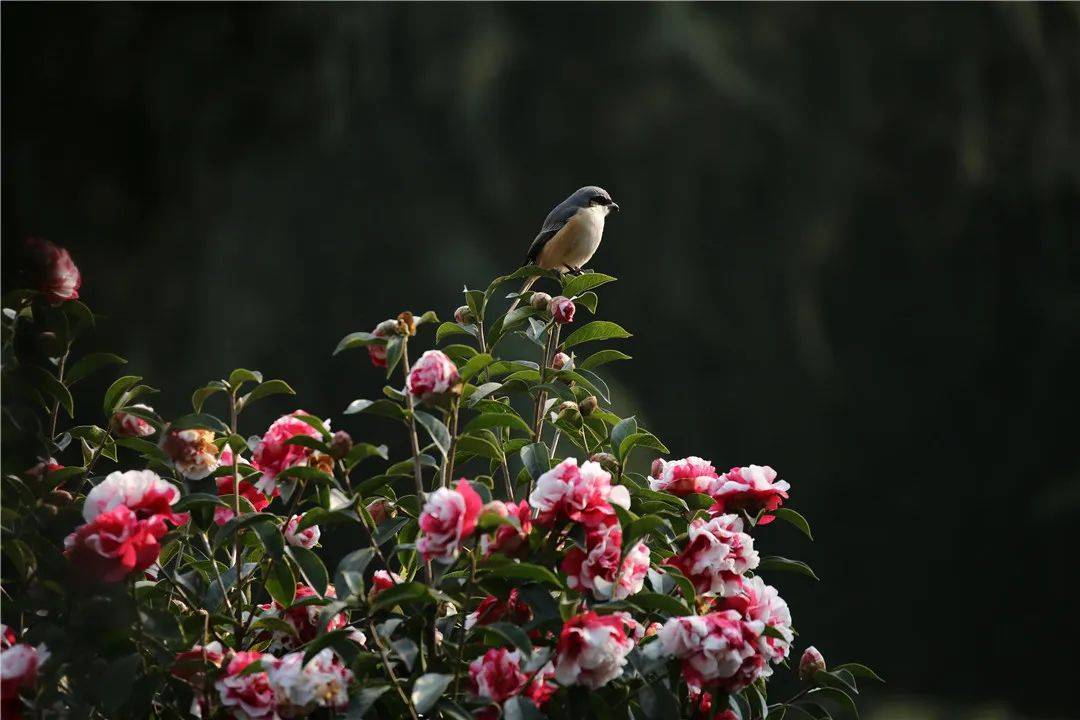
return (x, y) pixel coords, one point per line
(571, 232)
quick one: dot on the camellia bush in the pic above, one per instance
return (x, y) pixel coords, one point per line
(532, 555)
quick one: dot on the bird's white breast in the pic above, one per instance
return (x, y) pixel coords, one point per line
(575, 244)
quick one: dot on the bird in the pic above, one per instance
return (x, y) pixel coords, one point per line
(571, 233)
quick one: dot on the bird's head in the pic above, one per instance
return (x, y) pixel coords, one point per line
(592, 196)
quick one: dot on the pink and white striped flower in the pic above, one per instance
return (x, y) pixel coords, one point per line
(716, 554)
(251, 694)
(274, 453)
(141, 491)
(753, 488)
(449, 517)
(761, 605)
(596, 568)
(306, 538)
(592, 648)
(497, 675)
(717, 650)
(585, 495)
(683, 477)
(125, 424)
(433, 375)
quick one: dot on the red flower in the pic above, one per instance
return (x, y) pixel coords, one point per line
(54, 271)
(433, 376)
(273, 454)
(304, 618)
(491, 609)
(251, 694)
(717, 650)
(810, 662)
(191, 664)
(114, 545)
(596, 568)
(377, 351)
(585, 495)
(562, 309)
(497, 675)
(683, 477)
(125, 424)
(226, 486)
(718, 551)
(753, 489)
(381, 581)
(508, 539)
(449, 517)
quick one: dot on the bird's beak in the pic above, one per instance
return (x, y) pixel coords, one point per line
(613, 207)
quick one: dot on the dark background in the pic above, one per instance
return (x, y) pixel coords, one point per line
(848, 248)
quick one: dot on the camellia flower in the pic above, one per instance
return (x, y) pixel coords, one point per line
(560, 360)
(718, 551)
(54, 271)
(299, 688)
(273, 454)
(43, 468)
(585, 495)
(381, 581)
(497, 675)
(304, 618)
(595, 569)
(762, 606)
(377, 351)
(306, 538)
(192, 451)
(226, 486)
(142, 491)
(683, 477)
(249, 693)
(449, 517)
(508, 539)
(717, 650)
(810, 662)
(432, 376)
(753, 489)
(491, 609)
(124, 424)
(191, 664)
(19, 664)
(562, 309)
(592, 649)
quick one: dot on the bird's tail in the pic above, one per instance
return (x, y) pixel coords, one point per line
(524, 288)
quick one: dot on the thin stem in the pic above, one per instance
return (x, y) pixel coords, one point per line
(448, 475)
(555, 442)
(549, 354)
(217, 572)
(390, 671)
(464, 616)
(237, 557)
(56, 405)
(506, 478)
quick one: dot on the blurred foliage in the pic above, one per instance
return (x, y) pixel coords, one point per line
(857, 224)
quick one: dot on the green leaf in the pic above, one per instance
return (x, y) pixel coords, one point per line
(349, 577)
(643, 526)
(510, 633)
(587, 281)
(521, 708)
(240, 376)
(201, 421)
(270, 387)
(859, 670)
(622, 430)
(339, 640)
(602, 358)
(395, 348)
(776, 562)
(478, 445)
(364, 700)
(477, 302)
(200, 396)
(661, 602)
(839, 696)
(118, 388)
(658, 703)
(474, 365)
(89, 364)
(363, 451)
(403, 594)
(48, 383)
(794, 518)
(481, 392)
(280, 582)
(536, 459)
(311, 567)
(428, 689)
(641, 438)
(588, 300)
(506, 420)
(381, 407)
(596, 330)
(526, 571)
(147, 449)
(197, 500)
(315, 423)
(436, 429)
(447, 329)
(357, 339)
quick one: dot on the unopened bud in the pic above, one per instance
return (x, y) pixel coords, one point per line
(560, 360)
(606, 461)
(387, 328)
(569, 411)
(588, 405)
(464, 315)
(539, 301)
(379, 510)
(657, 468)
(406, 323)
(50, 509)
(562, 309)
(340, 444)
(811, 662)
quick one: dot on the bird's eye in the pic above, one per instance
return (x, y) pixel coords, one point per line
(600, 200)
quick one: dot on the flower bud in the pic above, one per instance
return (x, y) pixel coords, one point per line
(379, 510)
(50, 509)
(433, 377)
(124, 424)
(588, 405)
(464, 315)
(406, 323)
(387, 328)
(340, 444)
(657, 468)
(560, 360)
(606, 461)
(569, 411)
(562, 309)
(539, 301)
(810, 663)
(59, 497)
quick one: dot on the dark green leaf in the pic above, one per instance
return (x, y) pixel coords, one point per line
(474, 365)
(197, 500)
(89, 364)
(596, 330)
(586, 281)
(364, 700)
(311, 567)
(428, 689)
(658, 601)
(199, 397)
(509, 633)
(270, 387)
(201, 421)
(436, 429)
(521, 708)
(147, 449)
(781, 563)
(395, 348)
(118, 388)
(357, 339)
(601, 358)
(403, 594)
(622, 430)
(385, 408)
(447, 329)
(794, 518)
(280, 582)
(240, 376)
(527, 571)
(859, 670)
(641, 438)
(349, 578)
(46, 382)
(490, 420)
(339, 640)
(536, 459)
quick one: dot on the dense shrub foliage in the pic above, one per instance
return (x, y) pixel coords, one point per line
(513, 564)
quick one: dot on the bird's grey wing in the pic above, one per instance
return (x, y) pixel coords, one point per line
(553, 223)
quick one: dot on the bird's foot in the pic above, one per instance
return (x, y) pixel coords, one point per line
(574, 270)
